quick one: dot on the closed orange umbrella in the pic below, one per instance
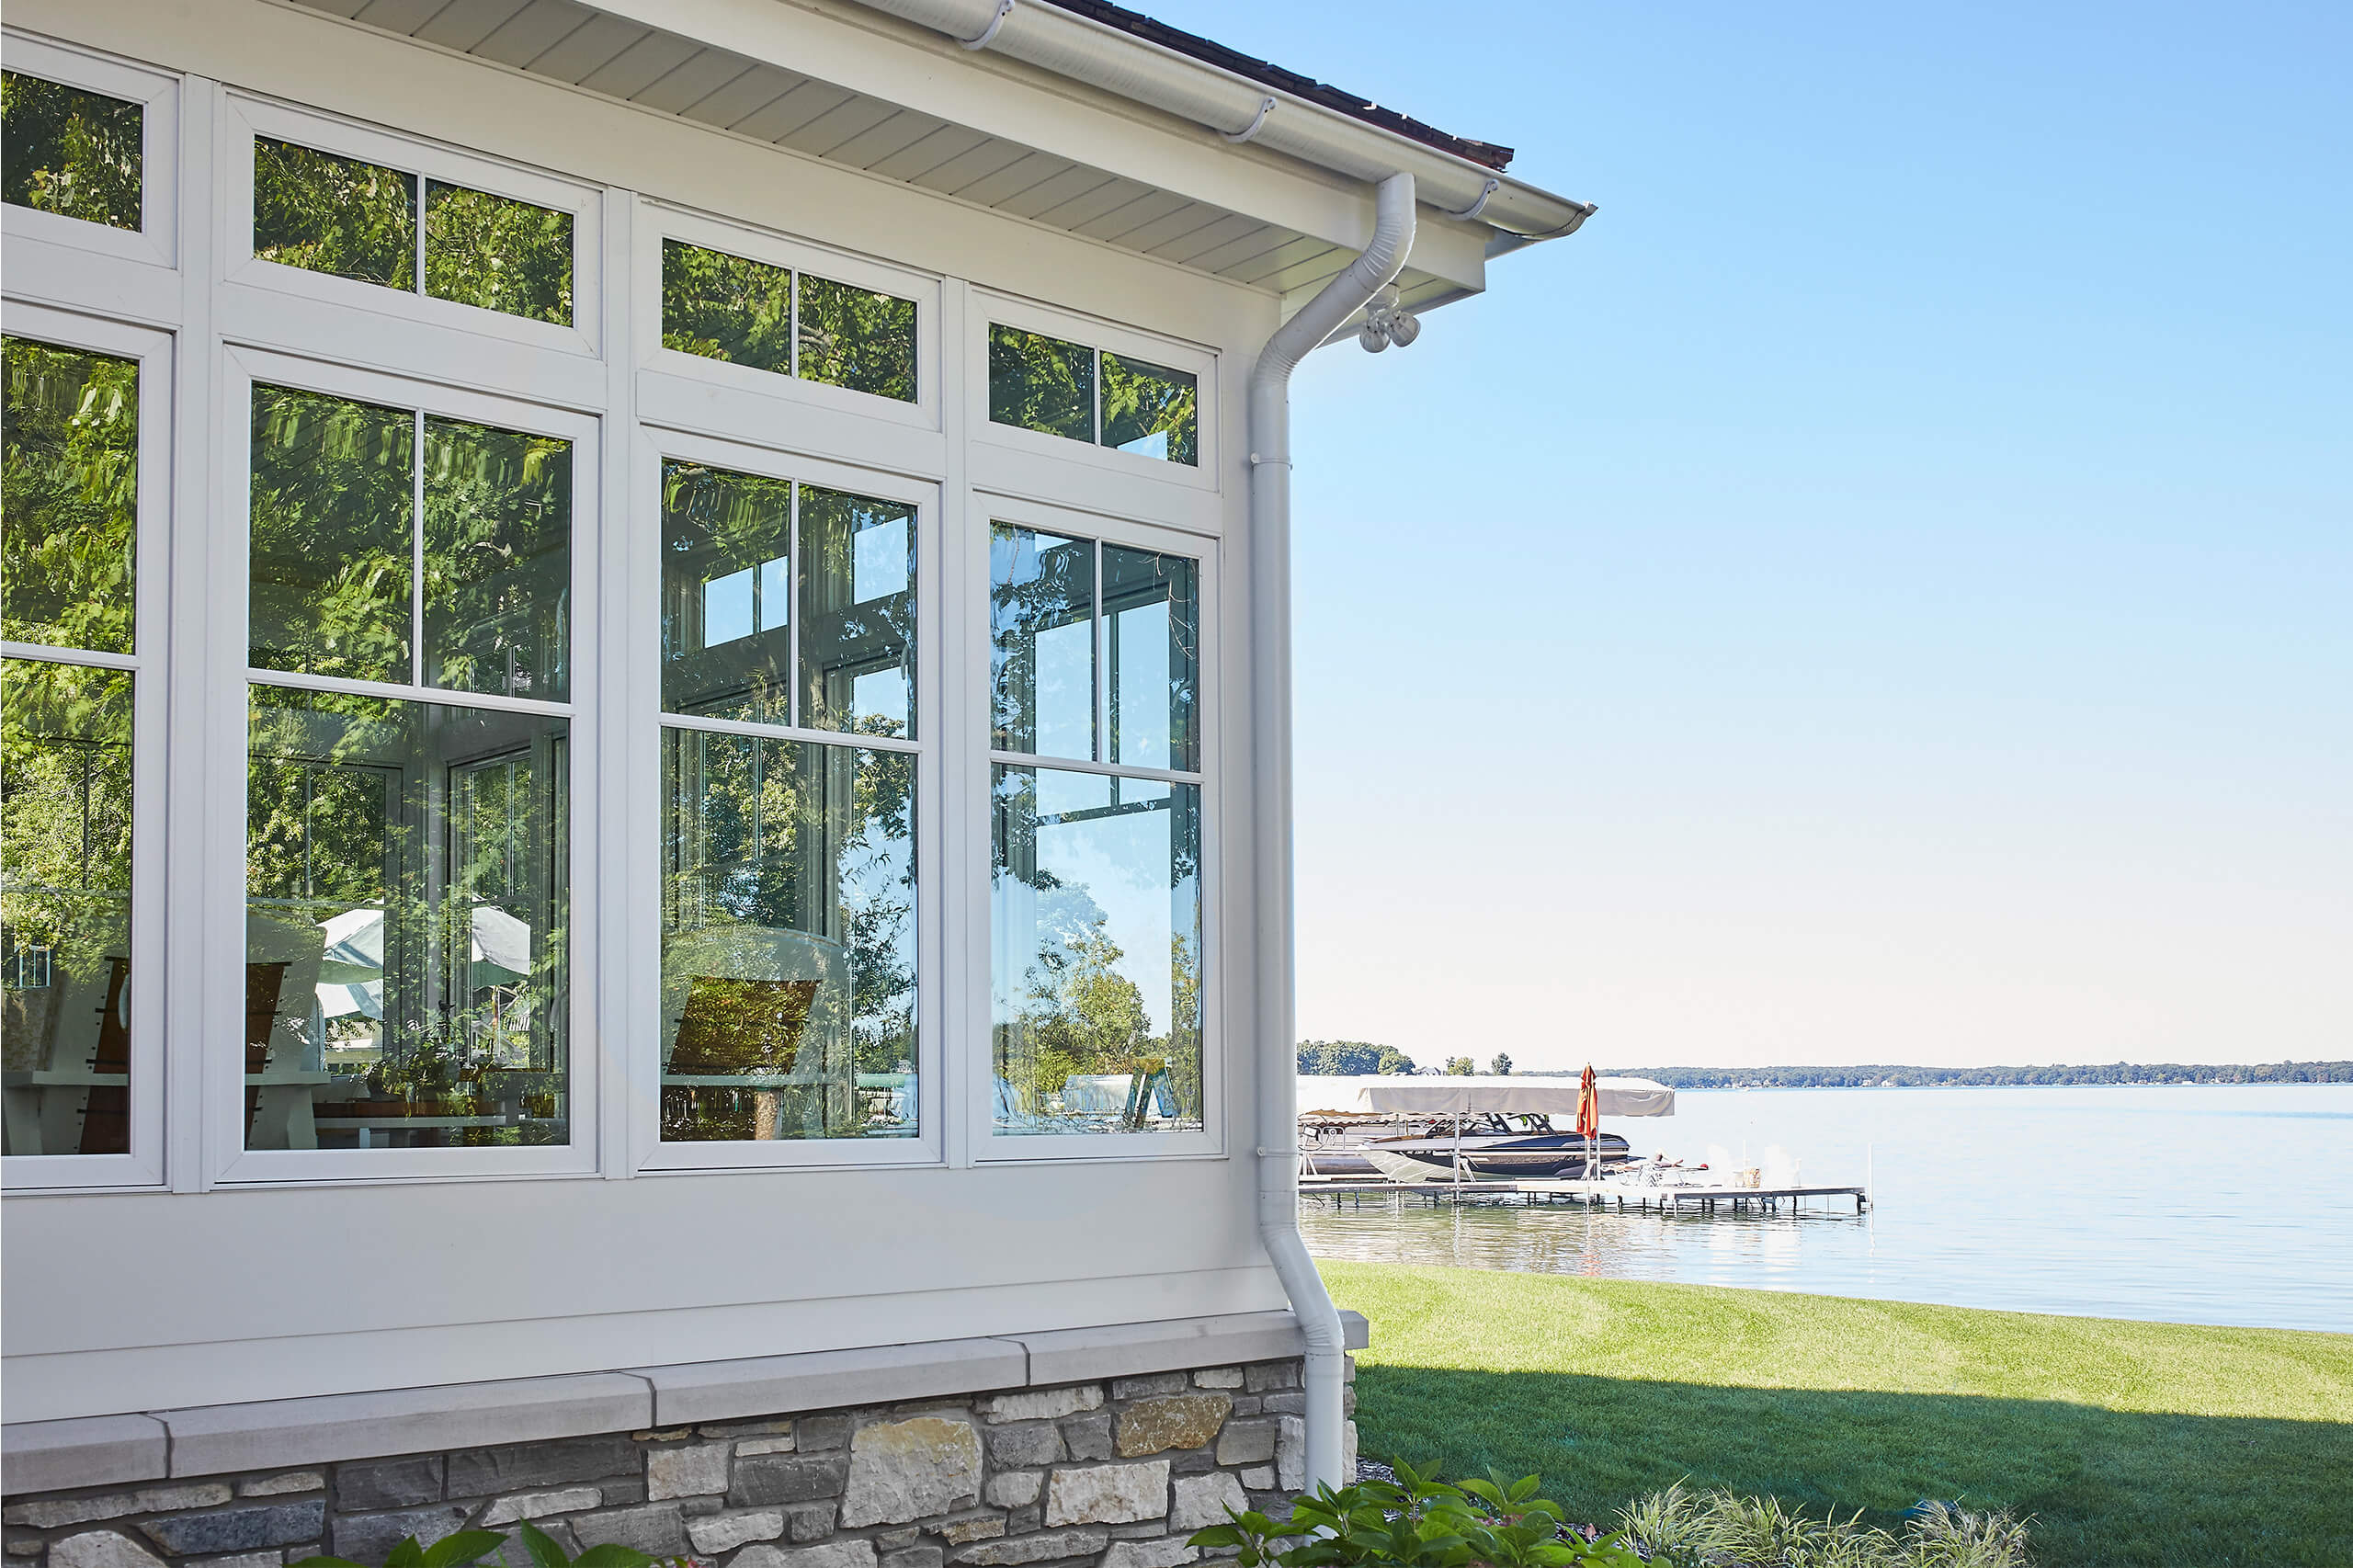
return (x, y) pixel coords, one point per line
(1589, 1121)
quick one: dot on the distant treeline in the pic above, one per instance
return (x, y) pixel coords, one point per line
(1351, 1058)
(1941, 1077)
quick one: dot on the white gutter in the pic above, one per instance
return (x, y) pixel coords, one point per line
(1233, 106)
(1270, 733)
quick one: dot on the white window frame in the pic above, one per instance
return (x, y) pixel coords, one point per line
(247, 116)
(933, 876)
(222, 1034)
(1106, 337)
(658, 222)
(987, 510)
(156, 243)
(142, 1166)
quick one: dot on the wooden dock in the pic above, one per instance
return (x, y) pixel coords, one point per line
(1593, 1194)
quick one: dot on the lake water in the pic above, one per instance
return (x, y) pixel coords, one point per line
(2187, 1204)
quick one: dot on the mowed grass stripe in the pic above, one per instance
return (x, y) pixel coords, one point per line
(2131, 1443)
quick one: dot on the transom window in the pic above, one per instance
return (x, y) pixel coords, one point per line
(70, 151)
(1057, 387)
(325, 213)
(787, 321)
(1095, 904)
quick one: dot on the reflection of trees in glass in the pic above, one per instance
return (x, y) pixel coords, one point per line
(1150, 409)
(858, 339)
(65, 781)
(726, 307)
(766, 836)
(498, 560)
(70, 151)
(718, 526)
(435, 837)
(326, 213)
(69, 497)
(1065, 1006)
(732, 308)
(1040, 383)
(498, 253)
(333, 484)
(1045, 384)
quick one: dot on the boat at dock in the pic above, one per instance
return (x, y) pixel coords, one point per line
(1425, 1127)
(1494, 1150)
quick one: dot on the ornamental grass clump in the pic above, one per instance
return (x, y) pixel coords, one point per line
(1676, 1528)
(1416, 1523)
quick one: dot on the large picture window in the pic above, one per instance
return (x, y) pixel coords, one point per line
(407, 908)
(789, 917)
(1096, 888)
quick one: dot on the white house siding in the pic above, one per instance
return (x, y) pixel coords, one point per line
(247, 1281)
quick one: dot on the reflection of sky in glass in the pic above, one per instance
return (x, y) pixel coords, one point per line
(775, 594)
(1065, 696)
(727, 608)
(1140, 682)
(880, 693)
(1153, 445)
(753, 599)
(1122, 863)
(879, 561)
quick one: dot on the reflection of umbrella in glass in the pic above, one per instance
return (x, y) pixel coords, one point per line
(352, 970)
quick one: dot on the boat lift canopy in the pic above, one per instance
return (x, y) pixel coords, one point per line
(1427, 1094)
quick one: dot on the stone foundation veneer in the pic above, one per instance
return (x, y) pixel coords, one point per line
(1113, 1472)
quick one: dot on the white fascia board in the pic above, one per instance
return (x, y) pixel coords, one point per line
(905, 64)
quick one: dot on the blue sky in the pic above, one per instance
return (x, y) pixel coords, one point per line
(1884, 590)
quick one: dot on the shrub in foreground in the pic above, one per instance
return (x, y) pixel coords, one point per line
(1416, 1523)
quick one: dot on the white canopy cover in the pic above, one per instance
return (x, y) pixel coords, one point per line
(1423, 1094)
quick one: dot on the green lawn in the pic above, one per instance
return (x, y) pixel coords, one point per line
(2128, 1442)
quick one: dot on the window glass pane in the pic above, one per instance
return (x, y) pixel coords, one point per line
(789, 940)
(69, 497)
(498, 253)
(1042, 383)
(1041, 649)
(334, 487)
(1095, 943)
(326, 213)
(850, 338)
(1150, 409)
(497, 561)
(68, 150)
(406, 925)
(726, 599)
(1152, 628)
(857, 613)
(65, 907)
(725, 307)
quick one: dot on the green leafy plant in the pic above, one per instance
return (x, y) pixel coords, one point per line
(450, 1551)
(1416, 1522)
(469, 1546)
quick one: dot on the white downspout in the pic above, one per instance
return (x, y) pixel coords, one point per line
(1269, 426)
